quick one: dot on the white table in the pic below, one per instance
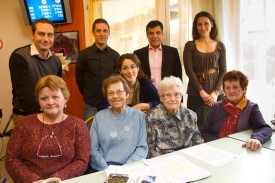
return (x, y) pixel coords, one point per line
(252, 167)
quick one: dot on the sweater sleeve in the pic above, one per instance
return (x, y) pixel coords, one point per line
(148, 93)
(188, 66)
(82, 152)
(15, 166)
(97, 160)
(261, 130)
(141, 150)
(222, 68)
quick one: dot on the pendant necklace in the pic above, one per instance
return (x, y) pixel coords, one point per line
(52, 131)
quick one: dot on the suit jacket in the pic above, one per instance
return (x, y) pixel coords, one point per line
(171, 64)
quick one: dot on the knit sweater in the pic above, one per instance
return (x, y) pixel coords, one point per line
(22, 161)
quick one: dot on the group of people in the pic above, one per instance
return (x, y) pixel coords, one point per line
(135, 98)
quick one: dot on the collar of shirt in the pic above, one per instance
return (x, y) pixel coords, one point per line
(106, 49)
(167, 115)
(159, 48)
(34, 51)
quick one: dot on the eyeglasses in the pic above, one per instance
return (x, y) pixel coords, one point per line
(49, 156)
(118, 93)
(127, 68)
(170, 95)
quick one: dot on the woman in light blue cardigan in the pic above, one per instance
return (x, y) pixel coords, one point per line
(118, 133)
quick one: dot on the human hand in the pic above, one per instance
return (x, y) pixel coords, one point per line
(207, 99)
(39, 181)
(252, 144)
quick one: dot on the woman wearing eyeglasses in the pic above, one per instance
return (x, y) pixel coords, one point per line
(170, 126)
(118, 133)
(143, 94)
(49, 144)
(235, 113)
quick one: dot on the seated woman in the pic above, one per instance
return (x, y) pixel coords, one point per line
(118, 133)
(170, 126)
(143, 94)
(49, 144)
(235, 113)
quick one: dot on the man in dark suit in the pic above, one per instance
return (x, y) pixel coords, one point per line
(158, 60)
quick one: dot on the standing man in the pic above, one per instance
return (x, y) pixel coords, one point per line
(158, 60)
(94, 64)
(27, 64)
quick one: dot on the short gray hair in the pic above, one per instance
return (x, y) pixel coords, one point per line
(168, 83)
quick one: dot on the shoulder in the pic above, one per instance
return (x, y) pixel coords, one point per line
(166, 47)
(145, 82)
(220, 46)
(27, 120)
(156, 112)
(190, 45)
(141, 50)
(113, 51)
(24, 50)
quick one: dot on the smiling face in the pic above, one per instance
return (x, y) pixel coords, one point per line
(154, 36)
(171, 100)
(129, 71)
(233, 91)
(43, 37)
(101, 34)
(204, 26)
(52, 102)
(116, 96)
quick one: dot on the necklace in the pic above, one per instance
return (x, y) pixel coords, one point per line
(52, 131)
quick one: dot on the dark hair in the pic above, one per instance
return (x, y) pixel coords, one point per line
(135, 59)
(116, 78)
(214, 29)
(42, 20)
(100, 20)
(235, 75)
(53, 82)
(154, 23)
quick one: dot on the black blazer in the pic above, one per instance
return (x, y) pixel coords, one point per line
(171, 64)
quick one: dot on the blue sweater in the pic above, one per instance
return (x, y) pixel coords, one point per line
(147, 94)
(250, 118)
(118, 139)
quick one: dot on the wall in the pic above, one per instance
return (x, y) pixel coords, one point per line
(14, 33)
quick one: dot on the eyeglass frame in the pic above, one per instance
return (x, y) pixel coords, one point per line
(169, 95)
(118, 93)
(48, 156)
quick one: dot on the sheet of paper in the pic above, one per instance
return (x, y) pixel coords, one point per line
(211, 154)
(177, 169)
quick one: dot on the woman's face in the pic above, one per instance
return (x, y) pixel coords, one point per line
(116, 95)
(171, 100)
(52, 102)
(233, 91)
(129, 71)
(204, 26)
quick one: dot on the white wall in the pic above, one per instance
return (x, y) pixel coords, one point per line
(14, 33)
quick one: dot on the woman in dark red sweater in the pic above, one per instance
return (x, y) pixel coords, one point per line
(49, 144)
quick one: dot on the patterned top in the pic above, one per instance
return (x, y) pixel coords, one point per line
(31, 139)
(167, 133)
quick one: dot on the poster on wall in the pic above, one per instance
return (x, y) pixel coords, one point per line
(67, 43)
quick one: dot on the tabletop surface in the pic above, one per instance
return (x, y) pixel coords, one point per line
(251, 167)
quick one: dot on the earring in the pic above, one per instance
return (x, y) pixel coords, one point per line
(65, 106)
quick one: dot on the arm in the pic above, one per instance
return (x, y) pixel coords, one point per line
(97, 160)
(222, 69)
(80, 72)
(188, 65)
(151, 136)
(261, 130)
(141, 148)
(177, 65)
(15, 166)
(205, 129)
(82, 147)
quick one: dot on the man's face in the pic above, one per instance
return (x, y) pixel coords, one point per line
(154, 36)
(43, 37)
(101, 34)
